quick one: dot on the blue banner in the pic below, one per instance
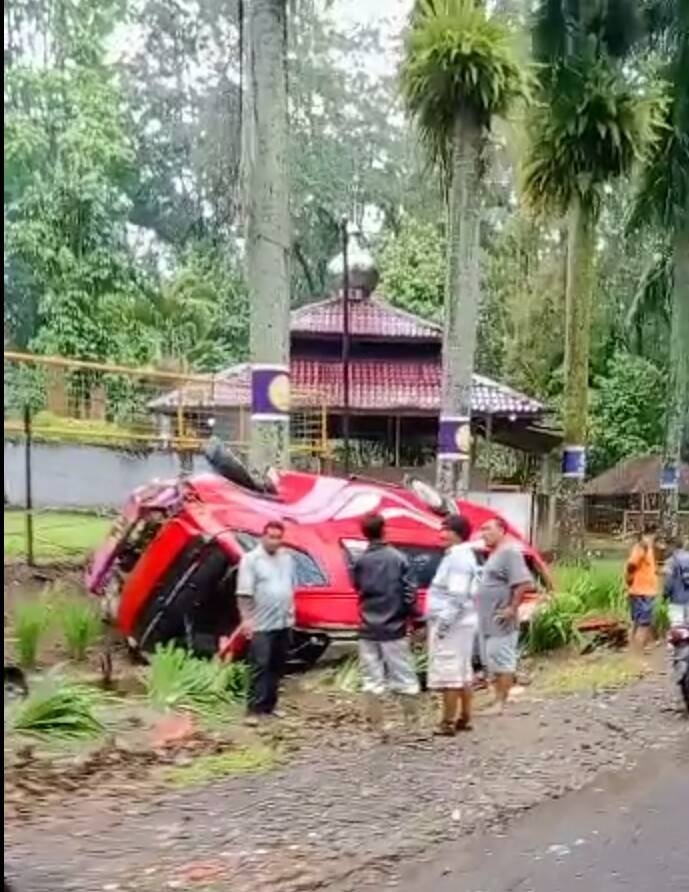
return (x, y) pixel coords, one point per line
(269, 393)
(574, 462)
(454, 438)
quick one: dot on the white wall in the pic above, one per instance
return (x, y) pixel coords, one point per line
(73, 476)
(515, 507)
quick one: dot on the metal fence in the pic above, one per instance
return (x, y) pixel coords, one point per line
(79, 436)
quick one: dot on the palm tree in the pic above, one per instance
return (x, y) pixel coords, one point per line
(459, 71)
(268, 230)
(663, 201)
(592, 124)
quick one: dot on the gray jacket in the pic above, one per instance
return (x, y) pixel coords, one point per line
(677, 577)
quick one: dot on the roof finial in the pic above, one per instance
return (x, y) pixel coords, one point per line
(363, 275)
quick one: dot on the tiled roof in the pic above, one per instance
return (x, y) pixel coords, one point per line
(369, 316)
(375, 385)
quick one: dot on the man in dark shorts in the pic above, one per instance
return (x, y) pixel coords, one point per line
(641, 575)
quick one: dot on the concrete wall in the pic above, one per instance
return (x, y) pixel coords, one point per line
(515, 507)
(72, 476)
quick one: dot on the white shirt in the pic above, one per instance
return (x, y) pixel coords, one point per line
(452, 594)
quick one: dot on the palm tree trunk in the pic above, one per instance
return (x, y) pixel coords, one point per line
(677, 428)
(461, 306)
(578, 296)
(268, 233)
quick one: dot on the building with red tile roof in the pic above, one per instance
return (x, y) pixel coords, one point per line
(394, 380)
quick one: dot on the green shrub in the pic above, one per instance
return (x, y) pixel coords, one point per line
(348, 676)
(30, 621)
(64, 711)
(600, 587)
(205, 769)
(80, 624)
(553, 625)
(580, 592)
(661, 617)
(420, 655)
(178, 680)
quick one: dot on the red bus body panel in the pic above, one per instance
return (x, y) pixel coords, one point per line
(319, 513)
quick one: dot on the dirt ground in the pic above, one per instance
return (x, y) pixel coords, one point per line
(337, 811)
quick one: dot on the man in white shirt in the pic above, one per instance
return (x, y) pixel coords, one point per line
(452, 626)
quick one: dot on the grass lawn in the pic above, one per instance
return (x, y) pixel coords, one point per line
(58, 535)
(600, 671)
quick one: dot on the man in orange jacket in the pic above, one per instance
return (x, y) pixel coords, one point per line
(641, 575)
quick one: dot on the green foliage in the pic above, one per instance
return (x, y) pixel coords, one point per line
(608, 26)
(661, 617)
(348, 676)
(602, 672)
(59, 535)
(458, 59)
(68, 157)
(205, 769)
(652, 298)
(80, 624)
(412, 268)
(627, 412)
(201, 315)
(580, 592)
(553, 625)
(30, 622)
(524, 283)
(178, 680)
(350, 151)
(662, 196)
(58, 711)
(590, 127)
(599, 589)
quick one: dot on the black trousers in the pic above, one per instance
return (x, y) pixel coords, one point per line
(267, 659)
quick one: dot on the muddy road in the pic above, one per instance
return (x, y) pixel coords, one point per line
(626, 832)
(349, 813)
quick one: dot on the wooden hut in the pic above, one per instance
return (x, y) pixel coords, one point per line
(624, 498)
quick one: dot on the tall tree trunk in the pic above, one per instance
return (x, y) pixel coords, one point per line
(677, 427)
(578, 296)
(268, 232)
(461, 306)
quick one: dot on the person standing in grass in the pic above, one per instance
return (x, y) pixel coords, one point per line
(265, 595)
(641, 576)
(676, 587)
(505, 579)
(452, 626)
(387, 606)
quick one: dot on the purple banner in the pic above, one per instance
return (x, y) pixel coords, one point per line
(574, 462)
(454, 438)
(669, 477)
(269, 393)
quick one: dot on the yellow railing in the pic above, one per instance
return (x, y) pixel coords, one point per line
(114, 405)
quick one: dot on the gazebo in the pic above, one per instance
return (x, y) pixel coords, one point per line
(394, 363)
(626, 496)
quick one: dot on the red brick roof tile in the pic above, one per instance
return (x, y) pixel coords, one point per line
(369, 316)
(375, 385)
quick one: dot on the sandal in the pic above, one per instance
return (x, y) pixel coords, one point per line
(463, 725)
(445, 729)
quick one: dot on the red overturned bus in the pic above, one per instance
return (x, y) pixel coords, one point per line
(167, 571)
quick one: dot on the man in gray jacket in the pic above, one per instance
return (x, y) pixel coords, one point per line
(387, 604)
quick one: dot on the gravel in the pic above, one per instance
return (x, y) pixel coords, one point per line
(346, 810)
